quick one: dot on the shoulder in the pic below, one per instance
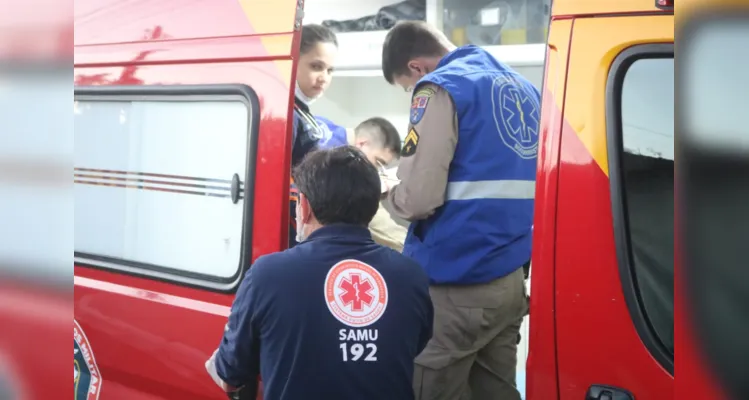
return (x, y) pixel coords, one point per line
(428, 89)
(271, 265)
(432, 96)
(406, 267)
(430, 92)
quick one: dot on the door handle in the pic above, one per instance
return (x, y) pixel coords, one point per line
(603, 392)
(235, 189)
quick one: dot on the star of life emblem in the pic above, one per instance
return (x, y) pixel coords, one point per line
(356, 293)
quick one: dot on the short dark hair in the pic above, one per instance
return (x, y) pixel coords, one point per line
(312, 34)
(383, 131)
(406, 41)
(341, 185)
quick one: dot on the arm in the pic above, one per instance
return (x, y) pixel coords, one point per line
(237, 360)
(387, 232)
(428, 321)
(427, 153)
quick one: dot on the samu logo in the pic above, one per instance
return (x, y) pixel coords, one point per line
(516, 115)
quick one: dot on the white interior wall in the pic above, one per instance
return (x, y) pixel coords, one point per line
(315, 11)
(352, 99)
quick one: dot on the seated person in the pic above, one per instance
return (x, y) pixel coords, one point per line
(378, 139)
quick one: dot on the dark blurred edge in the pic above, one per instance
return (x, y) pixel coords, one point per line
(50, 279)
(713, 197)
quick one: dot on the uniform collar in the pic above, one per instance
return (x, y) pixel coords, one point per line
(341, 230)
(301, 104)
(457, 53)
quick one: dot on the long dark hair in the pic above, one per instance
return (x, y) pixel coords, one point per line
(313, 34)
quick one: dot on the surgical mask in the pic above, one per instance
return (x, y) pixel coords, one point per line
(299, 94)
(299, 221)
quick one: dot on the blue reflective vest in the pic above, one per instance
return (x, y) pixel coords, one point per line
(483, 230)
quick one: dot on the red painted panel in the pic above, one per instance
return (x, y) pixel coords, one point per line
(151, 338)
(541, 365)
(596, 340)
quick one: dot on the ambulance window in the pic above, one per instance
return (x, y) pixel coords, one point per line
(641, 152)
(159, 185)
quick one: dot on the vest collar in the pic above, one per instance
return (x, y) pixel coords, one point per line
(458, 53)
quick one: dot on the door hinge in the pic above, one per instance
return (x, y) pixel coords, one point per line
(299, 16)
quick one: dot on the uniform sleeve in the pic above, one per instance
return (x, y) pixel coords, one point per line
(426, 156)
(427, 325)
(294, 128)
(238, 357)
(386, 231)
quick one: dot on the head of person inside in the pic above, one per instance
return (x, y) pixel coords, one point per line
(411, 50)
(378, 139)
(336, 186)
(317, 56)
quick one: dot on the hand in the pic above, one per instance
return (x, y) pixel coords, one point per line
(210, 366)
(384, 185)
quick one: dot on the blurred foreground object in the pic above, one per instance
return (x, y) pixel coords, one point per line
(713, 195)
(35, 199)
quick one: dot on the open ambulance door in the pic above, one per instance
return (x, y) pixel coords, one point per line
(182, 127)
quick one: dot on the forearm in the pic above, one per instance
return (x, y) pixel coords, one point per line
(427, 153)
(386, 231)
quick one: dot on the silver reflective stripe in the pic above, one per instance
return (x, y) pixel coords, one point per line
(504, 189)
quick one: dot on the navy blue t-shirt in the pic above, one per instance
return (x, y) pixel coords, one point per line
(336, 317)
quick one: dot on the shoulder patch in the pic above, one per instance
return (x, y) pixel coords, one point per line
(419, 104)
(86, 377)
(410, 143)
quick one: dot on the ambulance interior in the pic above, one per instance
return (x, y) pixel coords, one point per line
(513, 30)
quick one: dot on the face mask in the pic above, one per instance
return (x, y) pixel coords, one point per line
(298, 92)
(299, 221)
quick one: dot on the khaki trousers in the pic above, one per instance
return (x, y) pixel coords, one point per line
(473, 351)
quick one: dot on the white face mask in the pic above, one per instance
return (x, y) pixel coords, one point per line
(299, 221)
(298, 92)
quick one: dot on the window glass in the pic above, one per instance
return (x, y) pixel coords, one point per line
(647, 107)
(495, 22)
(153, 183)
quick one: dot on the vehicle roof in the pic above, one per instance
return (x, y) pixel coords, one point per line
(591, 7)
(116, 21)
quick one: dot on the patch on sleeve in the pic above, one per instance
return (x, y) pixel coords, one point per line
(419, 104)
(410, 143)
(86, 376)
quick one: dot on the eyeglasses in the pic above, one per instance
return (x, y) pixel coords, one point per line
(381, 168)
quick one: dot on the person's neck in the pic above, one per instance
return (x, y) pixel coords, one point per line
(310, 227)
(447, 49)
(303, 97)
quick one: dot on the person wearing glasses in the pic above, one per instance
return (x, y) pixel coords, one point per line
(378, 139)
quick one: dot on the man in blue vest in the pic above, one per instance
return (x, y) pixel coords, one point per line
(467, 171)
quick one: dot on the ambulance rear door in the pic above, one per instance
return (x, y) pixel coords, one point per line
(615, 227)
(182, 145)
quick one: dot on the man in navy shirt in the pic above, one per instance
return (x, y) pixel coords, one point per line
(337, 316)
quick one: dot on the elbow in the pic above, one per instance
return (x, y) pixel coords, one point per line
(230, 370)
(416, 211)
(411, 208)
